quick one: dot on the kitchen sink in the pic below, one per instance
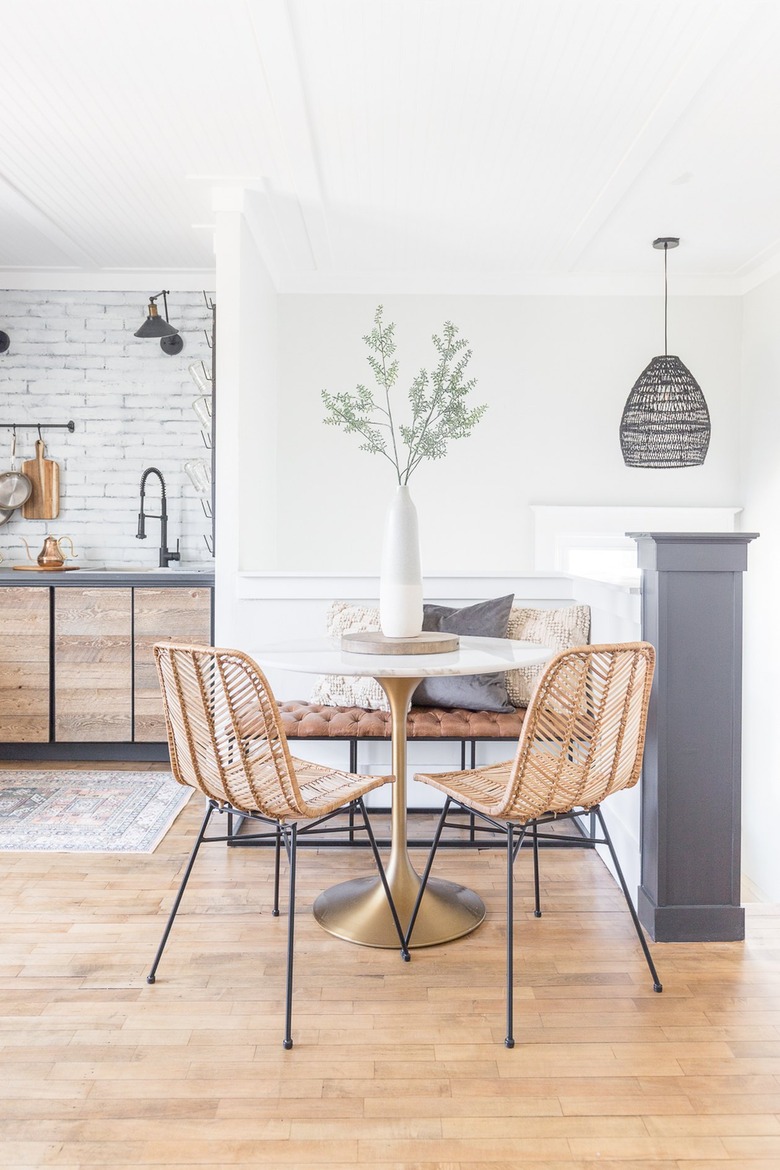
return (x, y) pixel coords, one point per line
(148, 569)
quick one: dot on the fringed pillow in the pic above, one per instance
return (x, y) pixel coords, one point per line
(338, 690)
(559, 629)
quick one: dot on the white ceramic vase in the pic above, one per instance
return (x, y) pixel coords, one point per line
(400, 583)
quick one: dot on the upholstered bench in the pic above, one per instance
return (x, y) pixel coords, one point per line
(318, 721)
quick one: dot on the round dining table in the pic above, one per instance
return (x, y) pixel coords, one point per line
(357, 910)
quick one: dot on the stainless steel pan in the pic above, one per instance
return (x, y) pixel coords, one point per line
(15, 487)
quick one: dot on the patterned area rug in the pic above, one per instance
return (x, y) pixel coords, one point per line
(87, 812)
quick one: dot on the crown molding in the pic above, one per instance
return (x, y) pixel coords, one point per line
(383, 283)
(501, 284)
(106, 280)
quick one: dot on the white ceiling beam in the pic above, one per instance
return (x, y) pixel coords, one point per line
(251, 201)
(724, 26)
(292, 131)
(759, 268)
(13, 200)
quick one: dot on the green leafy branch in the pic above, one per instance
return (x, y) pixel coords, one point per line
(438, 402)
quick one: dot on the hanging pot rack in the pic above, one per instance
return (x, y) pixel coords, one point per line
(32, 426)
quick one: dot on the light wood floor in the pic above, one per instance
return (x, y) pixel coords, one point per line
(395, 1065)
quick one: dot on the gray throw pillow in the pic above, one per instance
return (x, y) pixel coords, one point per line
(474, 692)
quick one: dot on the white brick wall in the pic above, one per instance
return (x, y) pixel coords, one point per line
(73, 356)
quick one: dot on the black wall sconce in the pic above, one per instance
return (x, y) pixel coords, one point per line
(5, 341)
(156, 326)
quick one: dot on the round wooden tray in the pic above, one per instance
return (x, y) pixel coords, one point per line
(46, 568)
(375, 642)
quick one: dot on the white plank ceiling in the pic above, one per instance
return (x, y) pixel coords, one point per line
(409, 145)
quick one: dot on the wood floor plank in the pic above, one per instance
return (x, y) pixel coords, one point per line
(395, 1066)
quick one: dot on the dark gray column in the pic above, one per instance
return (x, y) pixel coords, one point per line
(691, 780)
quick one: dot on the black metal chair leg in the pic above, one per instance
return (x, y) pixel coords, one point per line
(537, 895)
(427, 870)
(277, 861)
(657, 985)
(509, 1041)
(150, 978)
(292, 849)
(383, 877)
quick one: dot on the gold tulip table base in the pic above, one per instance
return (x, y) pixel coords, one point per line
(358, 912)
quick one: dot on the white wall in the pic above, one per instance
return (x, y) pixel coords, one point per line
(73, 356)
(760, 457)
(555, 372)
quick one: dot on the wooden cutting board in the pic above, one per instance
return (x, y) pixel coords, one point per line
(44, 474)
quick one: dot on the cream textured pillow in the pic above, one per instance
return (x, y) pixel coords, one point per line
(337, 690)
(559, 628)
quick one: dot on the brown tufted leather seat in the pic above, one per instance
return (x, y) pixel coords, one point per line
(315, 721)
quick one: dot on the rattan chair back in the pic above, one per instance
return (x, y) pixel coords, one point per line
(210, 696)
(584, 732)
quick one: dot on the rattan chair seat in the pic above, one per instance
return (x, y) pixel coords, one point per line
(323, 790)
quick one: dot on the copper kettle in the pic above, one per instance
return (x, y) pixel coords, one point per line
(51, 555)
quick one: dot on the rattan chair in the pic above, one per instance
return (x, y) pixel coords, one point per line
(582, 740)
(225, 739)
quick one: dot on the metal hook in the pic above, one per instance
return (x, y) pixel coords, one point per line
(40, 436)
(209, 342)
(208, 300)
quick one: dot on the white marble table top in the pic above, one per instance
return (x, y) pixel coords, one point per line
(474, 656)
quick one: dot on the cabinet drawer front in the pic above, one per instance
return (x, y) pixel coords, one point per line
(93, 665)
(24, 665)
(163, 615)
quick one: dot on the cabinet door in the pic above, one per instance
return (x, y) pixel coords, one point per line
(93, 682)
(163, 615)
(24, 665)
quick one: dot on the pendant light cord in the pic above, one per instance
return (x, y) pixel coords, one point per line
(666, 297)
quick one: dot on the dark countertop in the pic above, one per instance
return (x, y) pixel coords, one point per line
(107, 578)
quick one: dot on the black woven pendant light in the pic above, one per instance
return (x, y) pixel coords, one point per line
(665, 421)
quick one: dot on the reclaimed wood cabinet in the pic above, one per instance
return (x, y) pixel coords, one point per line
(77, 668)
(162, 615)
(93, 631)
(24, 665)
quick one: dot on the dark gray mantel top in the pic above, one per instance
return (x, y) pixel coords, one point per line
(690, 552)
(698, 537)
(109, 578)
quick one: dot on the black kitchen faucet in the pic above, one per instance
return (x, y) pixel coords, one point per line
(165, 554)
